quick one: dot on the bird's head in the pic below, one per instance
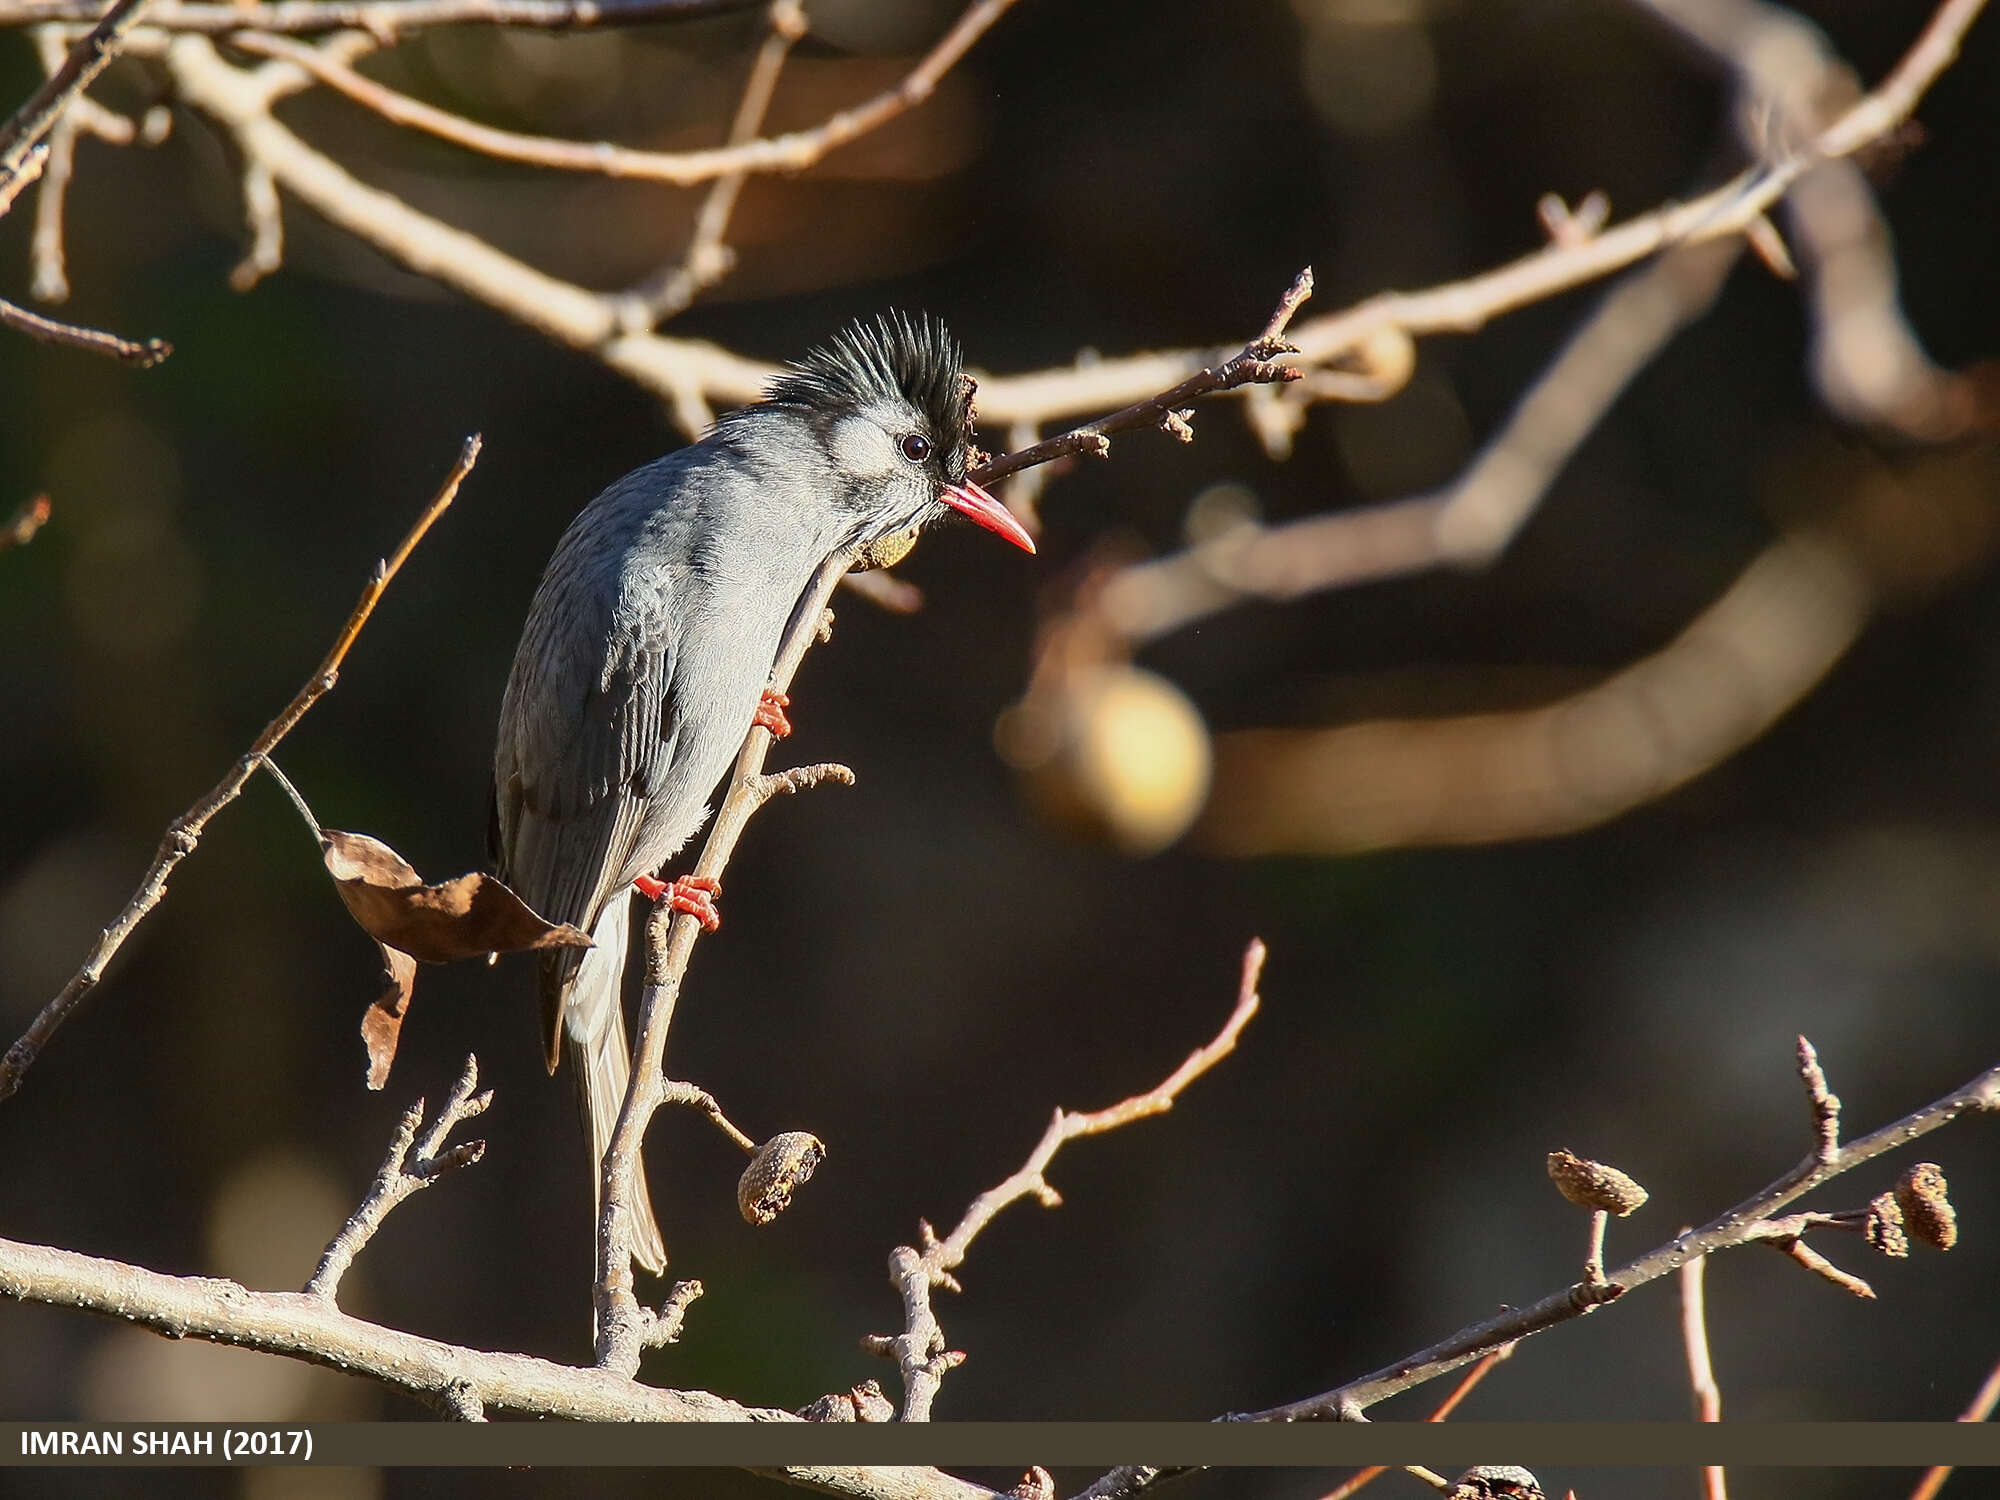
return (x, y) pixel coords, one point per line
(890, 405)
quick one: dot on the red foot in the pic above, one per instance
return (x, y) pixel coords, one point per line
(771, 714)
(693, 894)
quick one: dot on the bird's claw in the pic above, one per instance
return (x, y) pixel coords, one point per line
(770, 714)
(693, 894)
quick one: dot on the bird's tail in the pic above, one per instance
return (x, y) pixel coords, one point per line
(600, 1062)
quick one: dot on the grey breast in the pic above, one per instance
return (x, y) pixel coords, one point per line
(649, 639)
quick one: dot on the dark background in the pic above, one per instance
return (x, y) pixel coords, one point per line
(916, 969)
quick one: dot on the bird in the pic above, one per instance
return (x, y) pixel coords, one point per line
(647, 652)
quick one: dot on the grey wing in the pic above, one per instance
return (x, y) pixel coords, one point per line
(586, 736)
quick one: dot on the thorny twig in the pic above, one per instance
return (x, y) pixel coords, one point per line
(919, 1350)
(185, 831)
(402, 1174)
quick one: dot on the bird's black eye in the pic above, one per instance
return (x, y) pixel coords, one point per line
(916, 447)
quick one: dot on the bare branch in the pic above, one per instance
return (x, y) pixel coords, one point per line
(264, 217)
(49, 281)
(74, 336)
(1825, 1104)
(185, 832)
(1591, 755)
(1256, 365)
(401, 1174)
(1820, 1266)
(1747, 1223)
(1866, 359)
(708, 258)
(1982, 1406)
(686, 370)
(1364, 1477)
(1467, 524)
(11, 187)
(786, 153)
(675, 1092)
(1701, 1372)
(20, 133)
(385, 17)
(317, 1331)
(920, 1350)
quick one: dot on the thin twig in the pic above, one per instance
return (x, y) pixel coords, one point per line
(1701, 1371)
(919, 1350)
(1257, 364)
(49, 331)
(49, 279)
(30, 172)
(1982, 1406)
(20, 133)
(1824, 1103)
(683, 369)
(1747, 1223)
(185, 831)
(694, 1097)
(1468, 523)
(389, 18)
(793, 152)
(298, 798)
(1593, 1256)
(402, 1174)
(264, 217)
(1364, 1477)
(708, 258)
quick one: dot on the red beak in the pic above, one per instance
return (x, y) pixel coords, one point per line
(973, 501)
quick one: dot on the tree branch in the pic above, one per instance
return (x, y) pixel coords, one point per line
(388, 18)
(24, 129)
(690, 370)
(74, 336)
(1257, 364)
(708, 258)
(919, 1350)
(1749, 1222)
(401, 1175)
(184, 833)
(785, 153)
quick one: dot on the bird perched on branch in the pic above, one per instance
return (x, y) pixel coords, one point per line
(647, 654)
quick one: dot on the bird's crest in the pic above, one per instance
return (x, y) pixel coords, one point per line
(891, 357)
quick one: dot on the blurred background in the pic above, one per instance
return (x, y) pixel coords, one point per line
(920, 968)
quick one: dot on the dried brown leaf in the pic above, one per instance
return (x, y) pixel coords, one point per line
(382, 1022)
(464, 918)
(412, 922)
